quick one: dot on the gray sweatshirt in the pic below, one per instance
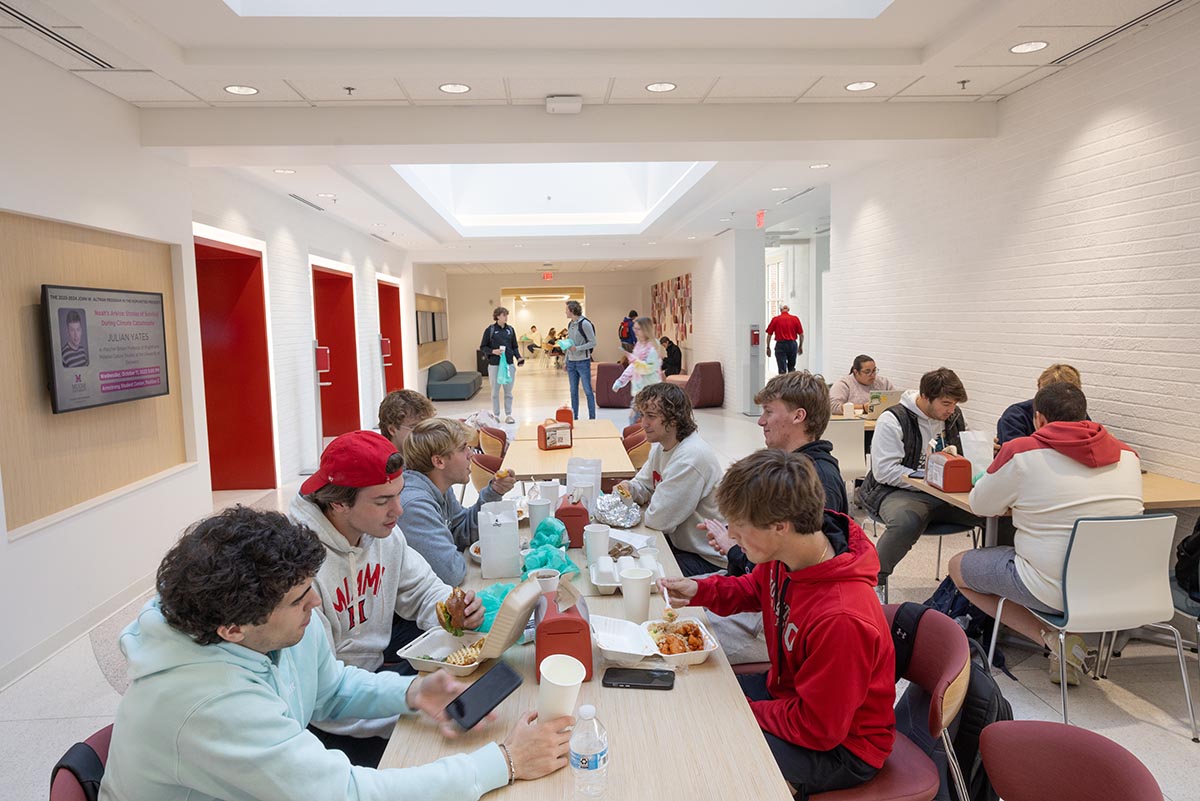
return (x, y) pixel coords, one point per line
(582, 334)
(438, 527)
(679, 489)
(361, 590)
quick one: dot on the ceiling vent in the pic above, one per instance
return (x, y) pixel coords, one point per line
(787, 200)
(46, 32)
(308, 203)
(722, 231)
(377, 236)
(1114, 32)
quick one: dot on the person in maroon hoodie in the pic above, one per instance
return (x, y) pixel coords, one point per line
(825, 706)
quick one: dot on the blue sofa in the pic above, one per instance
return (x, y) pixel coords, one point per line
(447, 383)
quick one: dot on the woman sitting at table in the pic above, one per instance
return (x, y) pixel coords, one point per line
(857, 387)
(825, 705)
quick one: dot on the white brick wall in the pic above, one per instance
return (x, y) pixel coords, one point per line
(1073, 236)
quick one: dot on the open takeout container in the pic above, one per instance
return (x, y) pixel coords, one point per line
(691, 657)
(621, 642)
(427, 652)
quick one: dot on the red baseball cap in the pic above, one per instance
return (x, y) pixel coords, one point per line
(356, 459)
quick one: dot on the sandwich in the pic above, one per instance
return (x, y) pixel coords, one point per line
(452, 613)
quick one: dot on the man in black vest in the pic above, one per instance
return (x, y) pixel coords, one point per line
(902, 441)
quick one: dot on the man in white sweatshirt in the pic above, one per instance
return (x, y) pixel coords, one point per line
(1069, 468)
(902, 440)
(678, 483)
(377, 594)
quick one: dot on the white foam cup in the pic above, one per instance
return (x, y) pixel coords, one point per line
(539, 510)
(648, 558)
(547, 578)
(549, 491)
(847, 410)
(595, 541)
(559, 687)
(635, 590)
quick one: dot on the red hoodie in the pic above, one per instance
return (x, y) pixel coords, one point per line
(834, 682)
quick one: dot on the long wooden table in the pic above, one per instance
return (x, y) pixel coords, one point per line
(584, 429)
(1158, 492)
(698, 741)
(528, 461)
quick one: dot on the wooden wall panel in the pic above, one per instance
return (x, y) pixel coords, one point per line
(51, 462)
(433, 352)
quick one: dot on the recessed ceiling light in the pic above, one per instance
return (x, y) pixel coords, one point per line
(378, 225)
(823, 165)
(725, 219)
(586, 244)
(860, 86)
(661, 86)
(455, 88)
(652, 243)
(326, 194)
(691, 237)
(236, 89)
(1028, 47)
(285, 172)
(778, 188)
(518, 246)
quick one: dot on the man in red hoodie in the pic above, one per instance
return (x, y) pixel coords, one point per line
(825, 706)
(1069, 468)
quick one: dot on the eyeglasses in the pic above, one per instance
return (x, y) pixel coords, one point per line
(872, 371)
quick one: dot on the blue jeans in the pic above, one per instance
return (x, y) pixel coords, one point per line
(577, 371)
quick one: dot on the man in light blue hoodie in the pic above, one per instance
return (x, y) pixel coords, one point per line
(227, 673)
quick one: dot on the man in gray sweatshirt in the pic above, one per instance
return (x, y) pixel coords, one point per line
(582, 334)
(437, 526)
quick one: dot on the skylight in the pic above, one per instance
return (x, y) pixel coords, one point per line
(576, 199)
(556, 9)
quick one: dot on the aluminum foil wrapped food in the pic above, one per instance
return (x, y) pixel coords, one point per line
(613, 510)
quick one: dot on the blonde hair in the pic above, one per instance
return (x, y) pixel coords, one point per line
(439, 436)
(403, 407)
(1060, 372)
(646, 325)
(773, 486)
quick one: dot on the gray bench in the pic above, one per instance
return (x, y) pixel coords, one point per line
(447, 383)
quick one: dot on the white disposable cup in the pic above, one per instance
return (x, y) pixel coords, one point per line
(648, 558)
(595, 541)
(559, 687)
(635, 591)
(586, 491)
(606, 569)
(547, 578)
(539, 510)
(548, 490)
(626, 563)
(847, 410)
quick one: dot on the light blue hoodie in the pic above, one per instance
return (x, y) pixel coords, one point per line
(225, 722)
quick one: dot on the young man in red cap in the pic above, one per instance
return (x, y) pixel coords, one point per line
(377, 594)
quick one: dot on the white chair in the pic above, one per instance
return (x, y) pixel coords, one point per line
(848, 438)
(1114, 578)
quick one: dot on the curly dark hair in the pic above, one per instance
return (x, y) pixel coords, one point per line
(672, 403)
(233, 569)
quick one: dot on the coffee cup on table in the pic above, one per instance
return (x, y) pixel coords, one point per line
(539, 510)
(559, 688)
(635, 589)
(547, 579)
(595, 541)
(847, 410)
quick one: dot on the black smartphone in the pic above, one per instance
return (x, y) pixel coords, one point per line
(473, 703)
(917, 474)
(639, 679)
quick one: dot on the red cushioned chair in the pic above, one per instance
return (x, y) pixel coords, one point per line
(483, 469)
(704, 385)
(64, 786)
(941, 665)
(1034, 760)
(627, 430)
(605, 374)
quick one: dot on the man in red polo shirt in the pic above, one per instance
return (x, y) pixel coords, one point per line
(789, 339)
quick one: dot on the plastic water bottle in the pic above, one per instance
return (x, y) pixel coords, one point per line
(589, 756)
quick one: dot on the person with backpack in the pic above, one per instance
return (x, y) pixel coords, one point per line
(1070, 468)
(626, 331)
(825, 705)
(582, 336)
(500, 342)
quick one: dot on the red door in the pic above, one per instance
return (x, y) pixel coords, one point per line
(389, 329)
(333, 309)
(237, 383)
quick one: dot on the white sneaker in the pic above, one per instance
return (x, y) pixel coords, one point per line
(1076, 653)
(510, 419)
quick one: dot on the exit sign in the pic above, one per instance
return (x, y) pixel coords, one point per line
(547, 276)
(760, 218)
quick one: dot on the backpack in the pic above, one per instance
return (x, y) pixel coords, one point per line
(625, 329)
(82, 761)
(984, 704)
(1187, 564)
(977, 623)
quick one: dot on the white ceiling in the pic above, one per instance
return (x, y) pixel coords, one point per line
(341, 98)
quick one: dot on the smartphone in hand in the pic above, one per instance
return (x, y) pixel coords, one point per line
(474, 703)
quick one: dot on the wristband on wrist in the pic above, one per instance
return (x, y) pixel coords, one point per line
(512, 771)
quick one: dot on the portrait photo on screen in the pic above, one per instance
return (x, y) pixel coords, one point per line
(72, 325)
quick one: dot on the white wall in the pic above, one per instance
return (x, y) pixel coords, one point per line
(71, 152)
(1074, 236)
(293, 234)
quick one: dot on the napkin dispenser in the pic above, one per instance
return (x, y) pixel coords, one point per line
(562, 631)
(574, 515)
(948, 472)
(553, 435)
(565, 415)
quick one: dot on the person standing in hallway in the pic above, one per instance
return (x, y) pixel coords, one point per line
(582, 335)
(500, 342)
(626, 332)
(645, 367)
(789, 339)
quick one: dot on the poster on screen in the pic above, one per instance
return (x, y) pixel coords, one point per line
(105, 346)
